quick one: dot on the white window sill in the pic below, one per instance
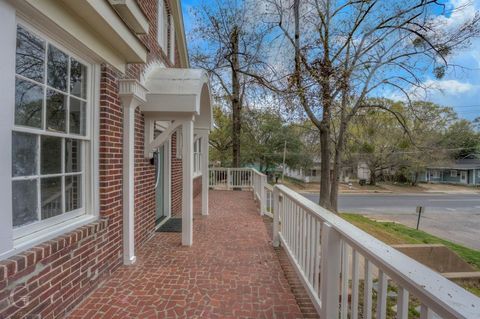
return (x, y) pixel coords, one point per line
(197, 174)
(49, 233)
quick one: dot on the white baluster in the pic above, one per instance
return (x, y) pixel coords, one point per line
(382, 296)
(355, 281)
(330, 271)
(367, 295)
(345, 271)
(276, 202)
(402, 303)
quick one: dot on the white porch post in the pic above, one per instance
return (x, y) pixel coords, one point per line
(204, 169)
(187, 184)
(132, 94)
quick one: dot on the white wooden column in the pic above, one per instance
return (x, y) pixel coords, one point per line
(204, 133)
(187, 184)
(132, 95)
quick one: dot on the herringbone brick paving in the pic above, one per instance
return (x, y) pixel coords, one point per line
(231, 271)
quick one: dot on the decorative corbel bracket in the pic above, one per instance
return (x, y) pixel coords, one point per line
(132, 93)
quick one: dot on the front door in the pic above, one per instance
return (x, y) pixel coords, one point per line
(463, 177)
(160, 185)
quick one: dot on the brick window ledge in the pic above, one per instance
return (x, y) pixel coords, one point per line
(23, 263)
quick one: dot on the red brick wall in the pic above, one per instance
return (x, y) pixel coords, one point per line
(197, 186)
(50, 279)
(56, 275)
(176, 179)
(144, 187)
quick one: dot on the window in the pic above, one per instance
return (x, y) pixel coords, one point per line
(49, 138)
(161, 24)
(453, 173)
(436, 174)
(197, 156)
(166, 32)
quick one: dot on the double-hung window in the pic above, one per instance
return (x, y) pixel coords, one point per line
(197, 156)
(50, 138)
(166, 30)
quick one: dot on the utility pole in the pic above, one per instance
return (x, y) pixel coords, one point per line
(283, 165)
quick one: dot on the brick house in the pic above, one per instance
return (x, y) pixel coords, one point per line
(105, 135)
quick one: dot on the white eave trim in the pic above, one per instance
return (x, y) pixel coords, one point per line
(101, 16)
(180, 32)
(131, 13)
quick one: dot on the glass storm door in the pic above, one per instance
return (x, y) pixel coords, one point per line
(463, 177)
(160, 184)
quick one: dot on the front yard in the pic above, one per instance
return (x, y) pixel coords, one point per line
(394, 234)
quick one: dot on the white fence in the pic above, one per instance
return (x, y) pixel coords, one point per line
(347, 272)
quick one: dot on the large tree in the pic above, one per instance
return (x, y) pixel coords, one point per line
(264, 135)
(267, 136)
(462, 139)
(346, 52)
(228, 41)
(381, 141)
(220, 138)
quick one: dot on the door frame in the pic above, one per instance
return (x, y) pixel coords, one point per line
(167, 186)
(464, 181)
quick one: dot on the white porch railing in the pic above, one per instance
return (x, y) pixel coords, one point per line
(229, 178)
(347, 272)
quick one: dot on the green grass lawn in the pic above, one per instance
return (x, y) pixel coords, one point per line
(393, 234)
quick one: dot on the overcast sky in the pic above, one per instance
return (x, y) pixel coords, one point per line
(460, 88)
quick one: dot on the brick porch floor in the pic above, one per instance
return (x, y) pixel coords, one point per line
(231, 271)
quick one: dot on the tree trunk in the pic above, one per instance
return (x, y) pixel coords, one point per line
(373, 177)
(337, 165)
(415, 179)
(324, 200)
(236, 103)
(325, 125)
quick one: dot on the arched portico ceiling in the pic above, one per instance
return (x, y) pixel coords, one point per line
(178, 93)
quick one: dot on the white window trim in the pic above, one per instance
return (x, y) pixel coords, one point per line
(52, 227)
(165, 40)
(453, 173)
(197, 157)
(160, 25)
(171, 53)
(179, 144)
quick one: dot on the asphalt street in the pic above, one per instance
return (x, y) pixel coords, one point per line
(398, 203)
(451, 216)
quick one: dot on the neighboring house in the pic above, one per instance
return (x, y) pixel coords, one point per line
(304, 175)
(312, 175)
(104, 131)
(464, 171)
